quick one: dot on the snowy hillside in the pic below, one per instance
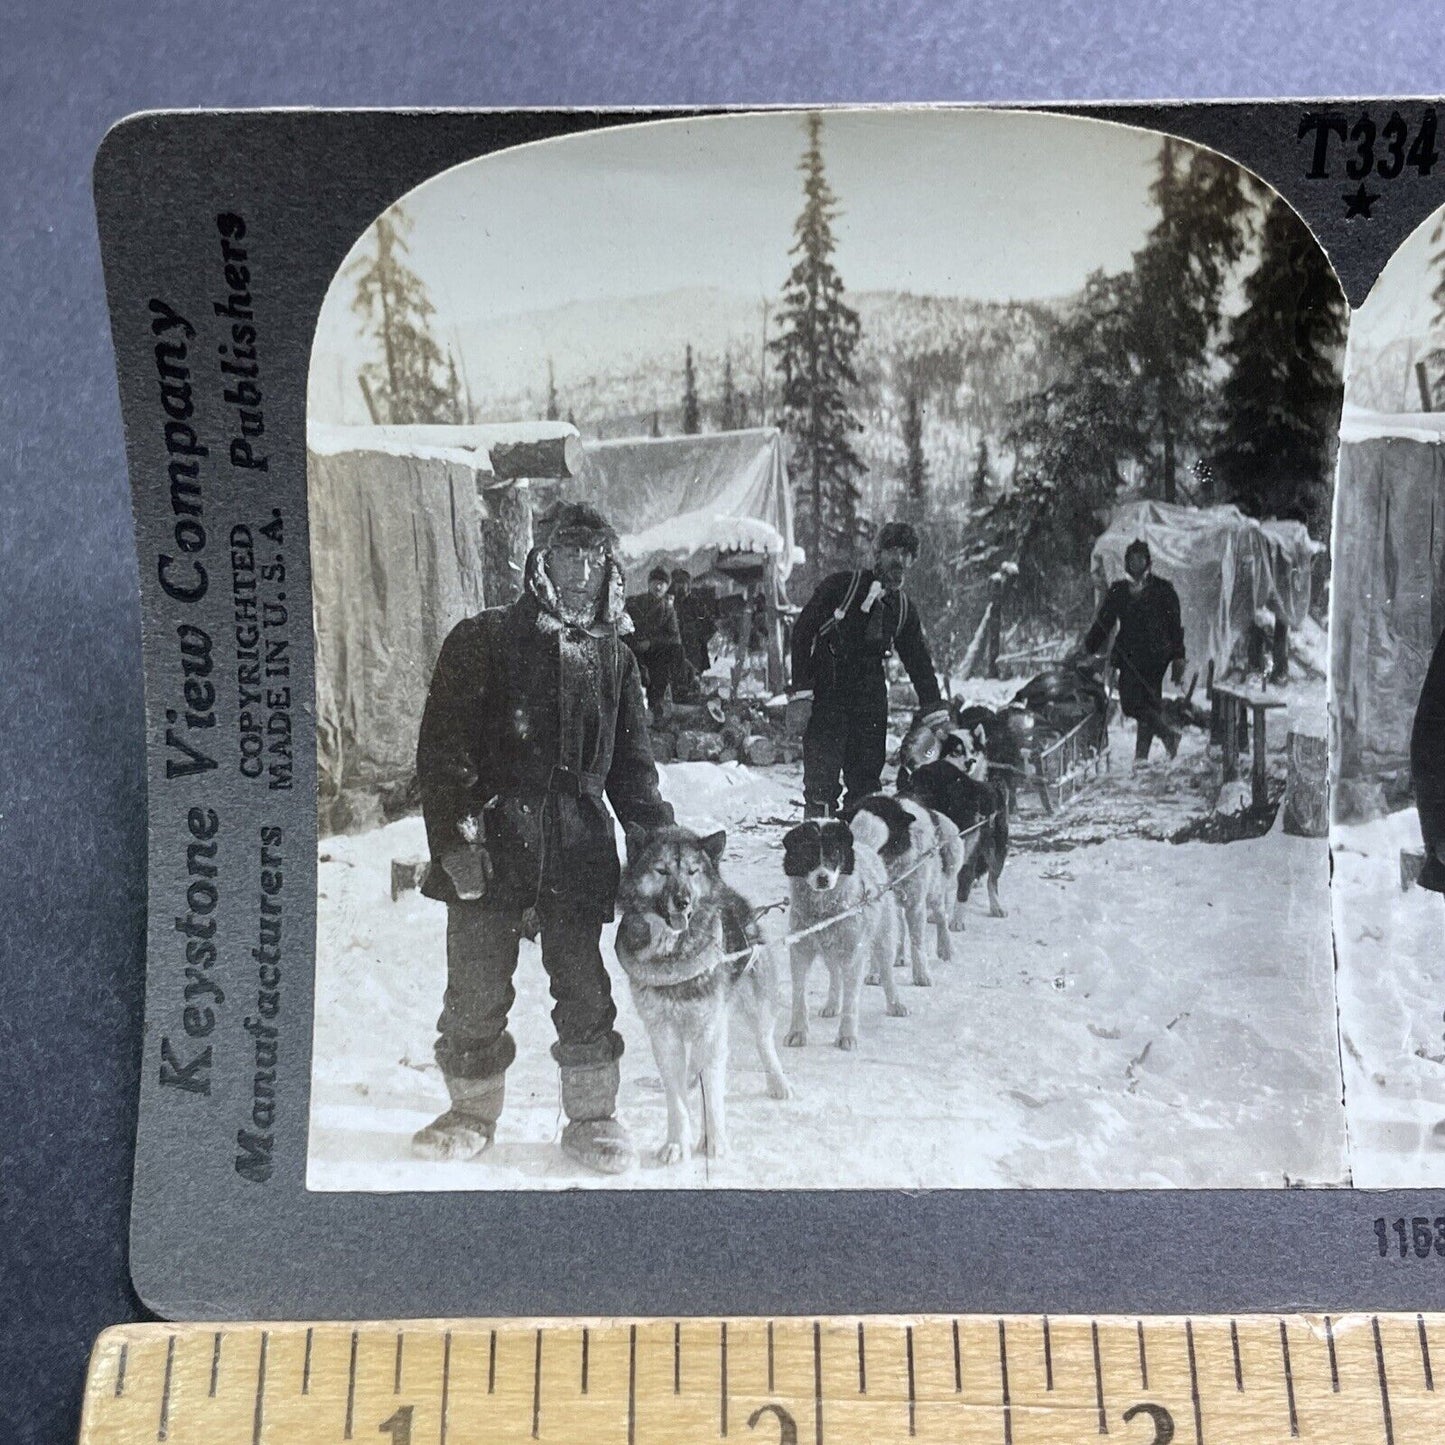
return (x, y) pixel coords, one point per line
(1148, 1015)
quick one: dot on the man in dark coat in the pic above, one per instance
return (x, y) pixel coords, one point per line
(1150, 641)
(534, 715)
(657, 641)
(839, 694)
(1427, 769)
(695, 621)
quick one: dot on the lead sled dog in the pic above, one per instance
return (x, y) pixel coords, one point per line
(694, 956)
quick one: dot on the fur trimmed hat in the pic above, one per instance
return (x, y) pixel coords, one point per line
(575, 524)
(1138, 548)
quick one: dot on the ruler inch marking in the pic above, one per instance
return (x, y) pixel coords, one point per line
(1334, 1359)
(770, 1357)
(351, 1389)
(1194, 1383)
(1238, 1364)
(215, 1364)
(1384, 1383)
(818, 1381)
(676, 1358)
(1143, 1358)
(446, 1386)
(912, 1390)
(537, 1388)
(723, 1379)
(632, 1380)
(1099, 1380)
(1048, 1356)
(862, 1362)
(306, 1365)
(492, 1365)
(163, 1425)
(120, 1370)
(1288, 1381)
(1425, 1353)
(957, 1361)
(396, 1372)
(1008, 1424)
(586, 1340)
(258, 1415)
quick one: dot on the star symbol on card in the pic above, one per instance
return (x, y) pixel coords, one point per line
(1359, 203)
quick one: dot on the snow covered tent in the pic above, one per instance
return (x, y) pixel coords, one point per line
(1388, 597)
(718, 504)
(405, 524)
(1225, 566)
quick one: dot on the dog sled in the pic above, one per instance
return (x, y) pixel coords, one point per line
(1063, 768)
(1068, 745)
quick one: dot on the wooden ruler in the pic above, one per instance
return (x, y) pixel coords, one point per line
(1010, 1380)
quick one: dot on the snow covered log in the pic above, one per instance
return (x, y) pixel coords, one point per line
(559, 456)
(759, 751)
(707, 714)
(696, 746)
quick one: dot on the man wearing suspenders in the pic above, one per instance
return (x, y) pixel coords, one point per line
(840, 640)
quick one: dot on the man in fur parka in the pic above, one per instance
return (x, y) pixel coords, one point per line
(535, 715)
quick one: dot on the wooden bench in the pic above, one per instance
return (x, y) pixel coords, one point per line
(1233, 700)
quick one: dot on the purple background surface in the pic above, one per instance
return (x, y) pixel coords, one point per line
(71, 790)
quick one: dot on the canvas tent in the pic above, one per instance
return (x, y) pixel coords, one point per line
(1388, 594)
(1225, 566)
(717, 504)
(708, 503)
(401, 524)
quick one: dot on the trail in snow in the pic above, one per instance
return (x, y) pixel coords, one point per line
(1148, 1015)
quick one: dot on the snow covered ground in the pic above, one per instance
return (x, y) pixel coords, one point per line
(1148, 1015)
(1392, 992)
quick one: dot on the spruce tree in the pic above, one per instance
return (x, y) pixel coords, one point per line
(412, 381)
(1281, 401)
(691, 414)
(728, 418)
(554, 410)
(981, 480)
(818, 336)
(1181, 274)
(915, 464)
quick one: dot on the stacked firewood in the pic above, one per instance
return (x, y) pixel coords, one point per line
(747, 730)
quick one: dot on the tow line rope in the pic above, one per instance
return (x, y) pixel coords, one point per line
(867, 901)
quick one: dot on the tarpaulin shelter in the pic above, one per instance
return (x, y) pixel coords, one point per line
(717, 504)
(708, 503)
(1388, 591)
(399, 530)
(1227, 568)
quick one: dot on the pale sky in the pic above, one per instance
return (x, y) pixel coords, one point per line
(989, 205)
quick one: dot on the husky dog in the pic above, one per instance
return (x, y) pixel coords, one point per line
(959, 787)
(835, 877)
(680, 923)
(922, 852)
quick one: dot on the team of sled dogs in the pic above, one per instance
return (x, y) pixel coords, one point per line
(875, 892)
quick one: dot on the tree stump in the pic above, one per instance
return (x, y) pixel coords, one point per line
(1307, 789)
(695, 746)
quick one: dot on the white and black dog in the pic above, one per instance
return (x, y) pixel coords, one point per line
(842, 883)
(922, 852)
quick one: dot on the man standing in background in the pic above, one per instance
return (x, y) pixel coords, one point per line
(657, 641)
(839, 693)
(694, 620)
(1150, 641)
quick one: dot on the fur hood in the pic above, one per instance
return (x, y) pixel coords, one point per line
(611, 615)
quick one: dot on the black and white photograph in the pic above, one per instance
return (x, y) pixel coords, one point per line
(1388, 706)
(823, 670)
